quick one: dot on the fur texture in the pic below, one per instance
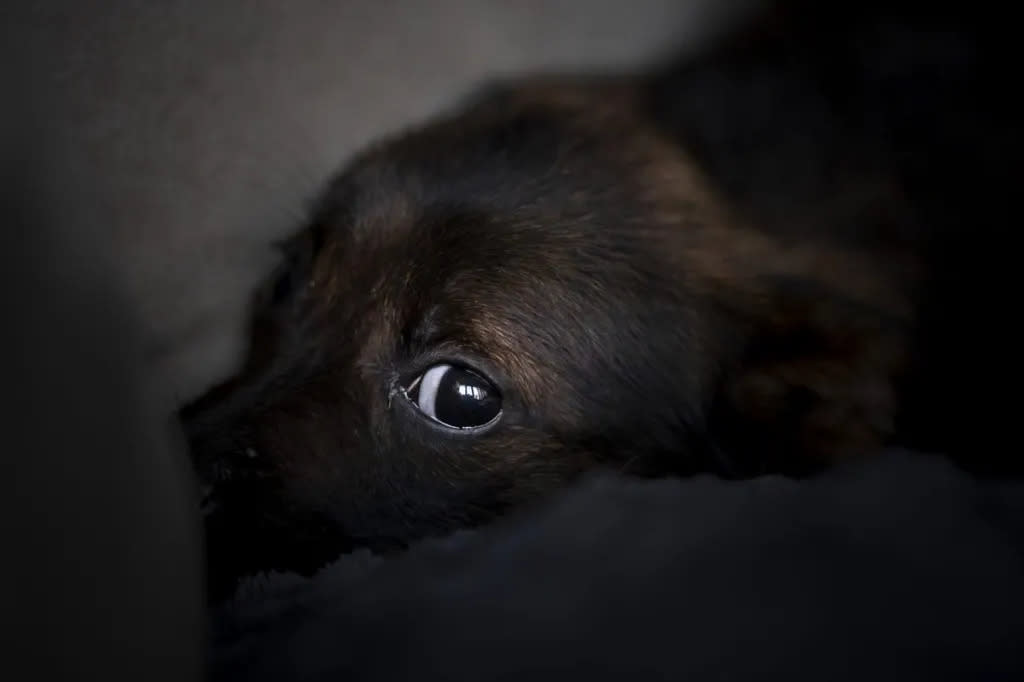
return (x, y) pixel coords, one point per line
(725, 265)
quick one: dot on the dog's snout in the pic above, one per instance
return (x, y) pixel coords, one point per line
(220, 455)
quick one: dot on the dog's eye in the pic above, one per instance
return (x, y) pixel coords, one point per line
(455, 396)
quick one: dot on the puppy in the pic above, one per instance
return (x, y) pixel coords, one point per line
(725, 265)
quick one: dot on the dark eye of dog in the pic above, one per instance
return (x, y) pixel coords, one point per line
(455, 397)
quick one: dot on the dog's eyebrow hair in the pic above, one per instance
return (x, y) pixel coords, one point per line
(425, 327)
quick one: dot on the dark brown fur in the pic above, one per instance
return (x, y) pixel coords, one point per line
(659, 277)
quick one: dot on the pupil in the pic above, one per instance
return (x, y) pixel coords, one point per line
(465, 399)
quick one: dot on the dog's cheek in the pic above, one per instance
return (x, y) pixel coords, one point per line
(448, 483)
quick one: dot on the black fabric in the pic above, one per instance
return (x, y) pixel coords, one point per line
(901, 568)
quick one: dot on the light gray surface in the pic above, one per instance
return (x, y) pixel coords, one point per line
(193, 133)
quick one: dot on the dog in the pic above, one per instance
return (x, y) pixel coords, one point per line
(737, 262)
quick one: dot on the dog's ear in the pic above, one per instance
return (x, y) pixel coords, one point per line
(814, 379)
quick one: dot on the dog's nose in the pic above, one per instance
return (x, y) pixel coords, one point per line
(220, 453)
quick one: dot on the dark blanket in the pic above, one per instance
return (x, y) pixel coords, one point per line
(902, 568)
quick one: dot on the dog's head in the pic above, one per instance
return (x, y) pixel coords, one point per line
(488, 306)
